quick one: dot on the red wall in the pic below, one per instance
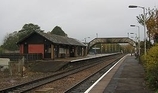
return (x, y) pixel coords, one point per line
(36, 48)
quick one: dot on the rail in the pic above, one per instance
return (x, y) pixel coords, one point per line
(39, 82)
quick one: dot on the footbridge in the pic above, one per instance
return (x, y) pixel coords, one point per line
(111, 40)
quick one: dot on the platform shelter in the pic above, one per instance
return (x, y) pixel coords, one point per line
(51, 46)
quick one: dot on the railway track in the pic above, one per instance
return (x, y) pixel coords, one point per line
(83, 85)
(22, 88)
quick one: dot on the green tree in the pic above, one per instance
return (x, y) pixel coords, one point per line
(1, 50)
(10, 41)
(58, 31)
(27, 29)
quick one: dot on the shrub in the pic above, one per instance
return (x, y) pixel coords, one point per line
(150, 63)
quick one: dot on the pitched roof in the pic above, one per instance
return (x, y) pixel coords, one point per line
(57, 39)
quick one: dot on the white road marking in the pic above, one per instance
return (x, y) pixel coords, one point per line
(88, 90)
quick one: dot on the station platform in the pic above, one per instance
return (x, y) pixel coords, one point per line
(56, 64)
(71, 59)
(126, 77)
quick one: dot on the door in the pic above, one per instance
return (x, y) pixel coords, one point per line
(47, 51)
(72, 51)
(25, 48)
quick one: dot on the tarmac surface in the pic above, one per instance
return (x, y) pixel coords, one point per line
(128, 78)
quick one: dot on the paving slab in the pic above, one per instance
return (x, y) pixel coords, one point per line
(129, 78)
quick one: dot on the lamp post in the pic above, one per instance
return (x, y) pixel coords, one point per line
(132, 34)
(134, 38)
(86, 44)
(138, 38)
(133, 6)
(85, 39)
(95, 45)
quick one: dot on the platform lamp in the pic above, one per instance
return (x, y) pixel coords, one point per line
(138, 38)
(134, 6)
(133, 37)
(86, 44)
(85, 39)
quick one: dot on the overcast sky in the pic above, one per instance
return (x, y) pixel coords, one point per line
(78, 18)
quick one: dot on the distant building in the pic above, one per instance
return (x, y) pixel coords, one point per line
(51, 46)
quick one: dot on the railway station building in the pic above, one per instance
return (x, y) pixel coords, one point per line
(51, 46)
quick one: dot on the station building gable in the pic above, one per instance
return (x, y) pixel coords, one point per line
(51, 46)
